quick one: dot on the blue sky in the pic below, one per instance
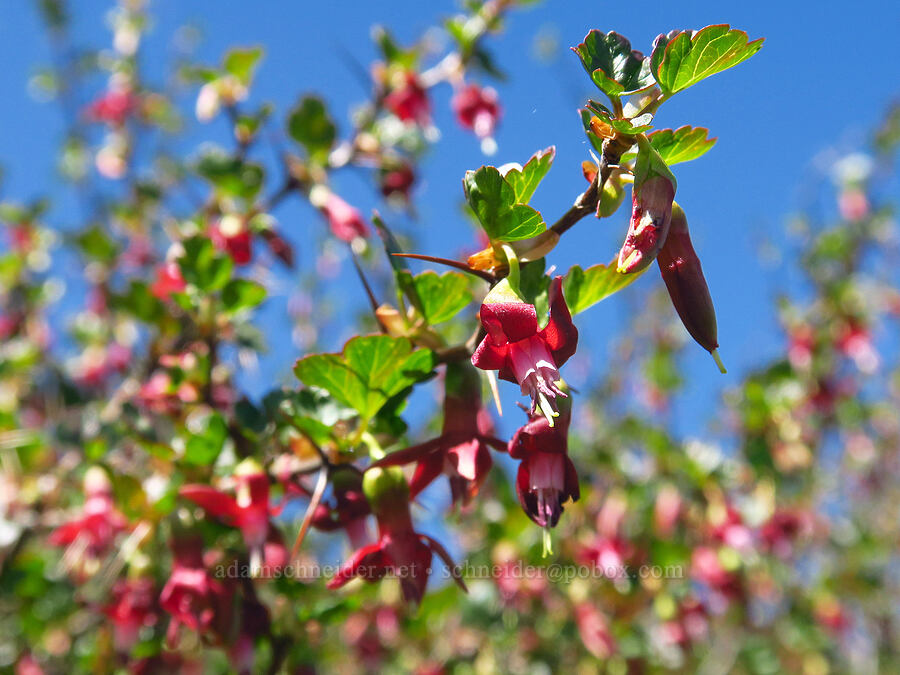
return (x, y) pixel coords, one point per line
(824, 77)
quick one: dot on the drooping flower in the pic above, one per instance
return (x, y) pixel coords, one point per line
(780, 532)
(113, 108)
(400, 550)
(594, 630)
(461, 451)
(409, 101)
(519, 351)
(547, 478)
(249, 511)
(99, 523)
(345, 221)
(396, 181)
(231, 234)
(132, 608)
(478, 109)
(168, 280)
(191, 596)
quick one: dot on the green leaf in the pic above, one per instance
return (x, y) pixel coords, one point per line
(682, 145)
(584, 288)
(203, 266)
(369, 371)
(207, 439)
(493, 200)
(98, 245)
(525, 181)
(139, 302)
(613, 66)
(310, 125)
(241, 294)
(392, 52)
(443, 296)
(230, 175)
(681, 60)
(242, 62)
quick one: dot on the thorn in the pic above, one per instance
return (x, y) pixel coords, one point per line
(450, 263)
(718, 360)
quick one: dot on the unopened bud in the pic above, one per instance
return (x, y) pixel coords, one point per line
(651, 213)
(681, 270)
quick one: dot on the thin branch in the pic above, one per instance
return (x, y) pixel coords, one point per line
(362, 277)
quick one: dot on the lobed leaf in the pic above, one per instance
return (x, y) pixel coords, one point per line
(682, 145)
(493, 199)
(681, 59)
(242, 62)
(442, 296)
(613, 65)
(524, 181)
(310, 125)
(241, 294)
(369, 371)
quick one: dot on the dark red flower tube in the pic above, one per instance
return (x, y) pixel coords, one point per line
(547, 478)
(681, 270)
(400, 550)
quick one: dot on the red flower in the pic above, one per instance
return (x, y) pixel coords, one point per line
(168, 280)
(707, 568)
(784, 527)
(397, 181)
(190, 595)
(547, 478)
(400, 550)
(409, 101)
(131, 610)
(477, 109)
(249, 512)
(461, 451)
(231, 235)
(113, 108)
(519, 351)
(99, 523)
(345, 221)
(593, 627)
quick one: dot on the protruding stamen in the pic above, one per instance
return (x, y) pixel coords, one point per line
(547, 542)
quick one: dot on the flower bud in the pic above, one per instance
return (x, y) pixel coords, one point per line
(651, 213)
(611, 198)
(680, 268)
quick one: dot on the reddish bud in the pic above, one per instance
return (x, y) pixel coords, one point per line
(651, 213)
(409, 101)
(681, 270)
